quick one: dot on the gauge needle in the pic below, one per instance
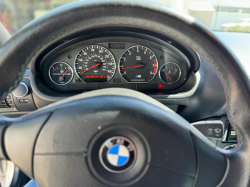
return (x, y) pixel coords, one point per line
(63, 75)
(167, 75)
(90, 68)
(132, 67)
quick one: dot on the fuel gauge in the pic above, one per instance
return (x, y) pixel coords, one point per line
(60, 73)
(170, 73)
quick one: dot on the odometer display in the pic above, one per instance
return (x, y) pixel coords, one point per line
(95, 63)
(138, 64)
(96, 78)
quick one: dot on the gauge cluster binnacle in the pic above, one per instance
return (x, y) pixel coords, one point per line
(108, 62)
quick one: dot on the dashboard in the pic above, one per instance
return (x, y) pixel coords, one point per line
(131, 62)
(161, 67)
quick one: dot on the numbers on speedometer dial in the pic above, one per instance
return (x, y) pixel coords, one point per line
(138, 64)
(95, 63)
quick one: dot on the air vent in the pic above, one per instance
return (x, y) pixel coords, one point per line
(3, 104)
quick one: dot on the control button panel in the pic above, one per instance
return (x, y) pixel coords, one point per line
(211, 129)
(22, 96)
(20, 99)
(23, 100)
(9, 100)
(214, 130)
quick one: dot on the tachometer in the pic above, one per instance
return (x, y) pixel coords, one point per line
(138, 64)
(95, 63)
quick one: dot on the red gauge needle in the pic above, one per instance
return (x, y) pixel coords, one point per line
(132, 67)
(167, 75)
(90, 68)
(63, 75)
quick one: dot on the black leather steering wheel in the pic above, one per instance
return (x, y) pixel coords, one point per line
(60, 144)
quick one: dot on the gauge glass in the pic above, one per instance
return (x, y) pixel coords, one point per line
(138, 64)
(95, 63)
(170, 73)
(60, 73)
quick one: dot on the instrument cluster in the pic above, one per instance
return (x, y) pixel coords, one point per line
(115, 62)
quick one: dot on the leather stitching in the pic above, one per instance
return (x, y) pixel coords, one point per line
(225, 87)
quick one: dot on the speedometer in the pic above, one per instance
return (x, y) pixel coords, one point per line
(95, 63)
(138, 64)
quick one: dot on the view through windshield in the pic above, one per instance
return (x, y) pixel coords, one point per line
(229, 19)
(218, 15)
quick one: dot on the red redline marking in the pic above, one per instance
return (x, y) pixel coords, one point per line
(155, 68)
(63, 75)
(167, 75)
(132, 67)
(90, 68)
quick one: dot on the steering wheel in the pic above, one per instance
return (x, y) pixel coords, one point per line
(69, 142)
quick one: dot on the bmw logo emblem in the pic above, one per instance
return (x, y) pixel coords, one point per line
(117, 154)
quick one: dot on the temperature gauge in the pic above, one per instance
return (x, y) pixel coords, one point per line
(170, 73)
(60, 73)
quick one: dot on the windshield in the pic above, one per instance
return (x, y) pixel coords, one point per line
(230, 19)
(218, 15)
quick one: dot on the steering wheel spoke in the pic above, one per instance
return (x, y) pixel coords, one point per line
(211, 163)
(19, 139)
(69, 140)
